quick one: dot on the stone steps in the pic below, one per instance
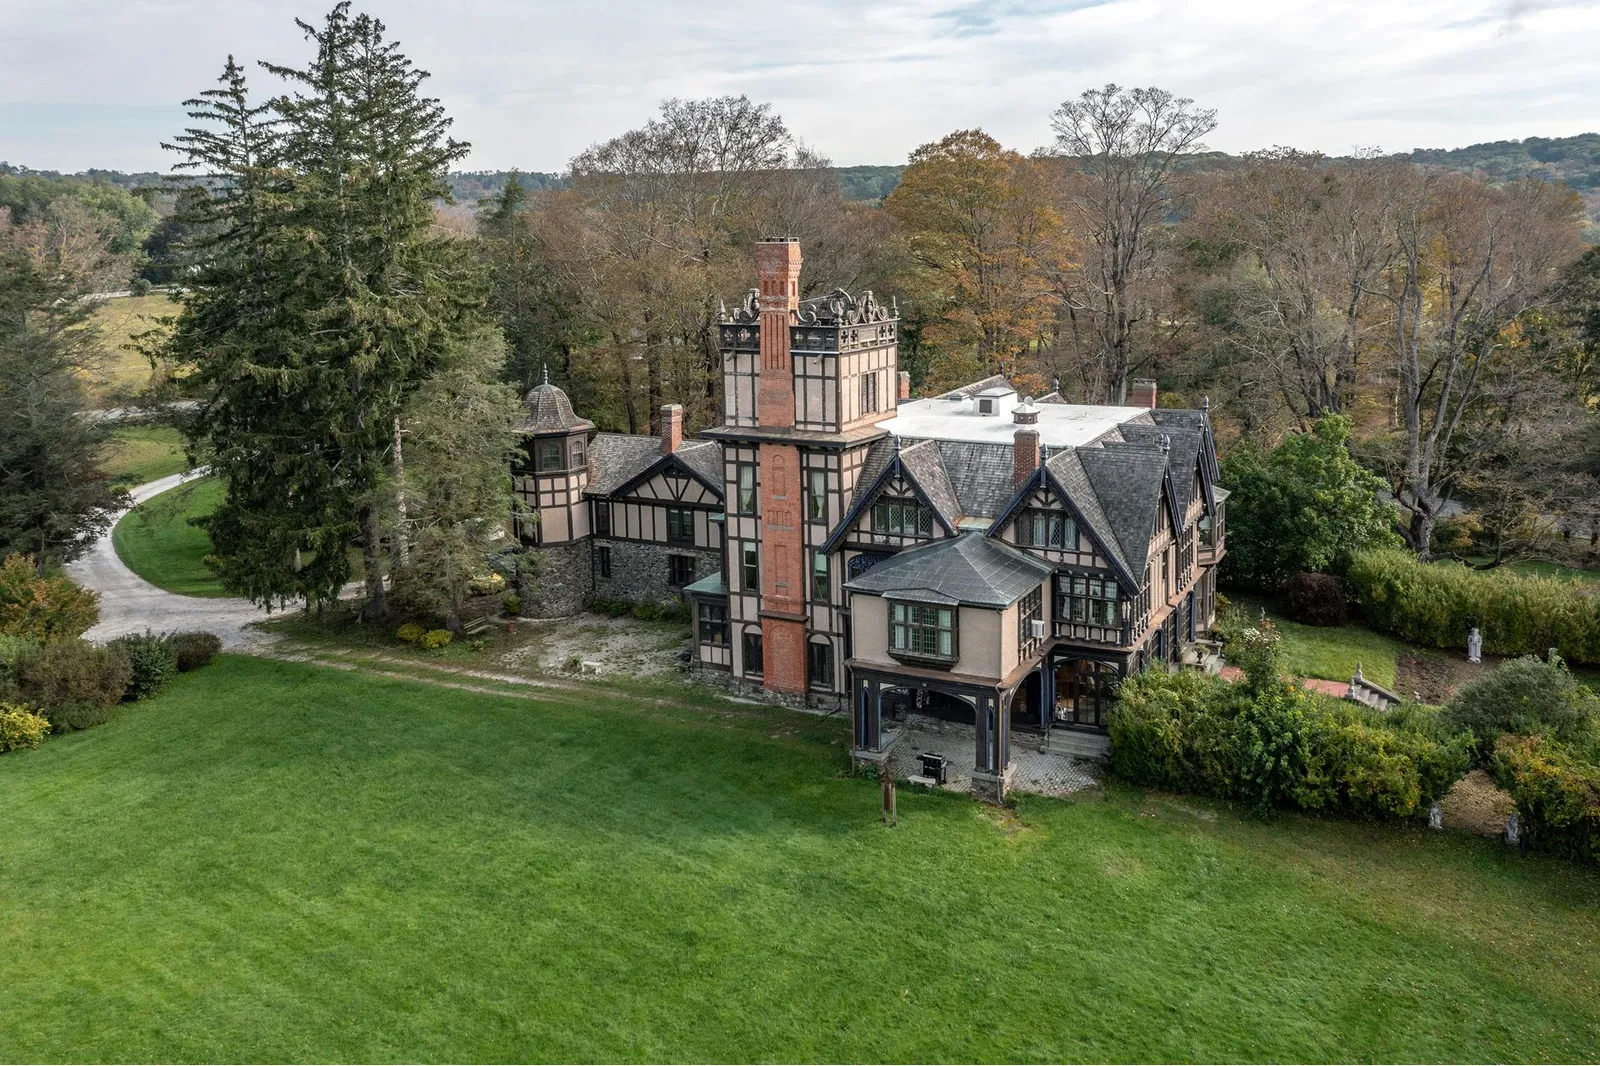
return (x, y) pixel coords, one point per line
(1094, 747)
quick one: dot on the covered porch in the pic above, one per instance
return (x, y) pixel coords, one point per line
(993, 736)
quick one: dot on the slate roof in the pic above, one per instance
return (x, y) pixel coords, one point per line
(546, 409)
(980, 475)
(921, 462)
(970, 569)
(1066, 467)
(995, 381)
(704, 457)
(1127, 479)
(615, 458)
(1185, 442)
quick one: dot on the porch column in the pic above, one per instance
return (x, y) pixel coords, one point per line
(1047, 692)
(993, 739)
(868, 707)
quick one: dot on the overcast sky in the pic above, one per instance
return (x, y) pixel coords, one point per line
(98, 82)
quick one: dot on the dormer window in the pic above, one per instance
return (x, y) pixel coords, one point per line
(903, 518)
(985, 405)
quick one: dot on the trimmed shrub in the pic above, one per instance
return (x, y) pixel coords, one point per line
(1274, 745)
(151, 661)
(21, 728)
(12, 651)
(1526, 696)
(43, 608)
(1176, 732)
(1315, 599)
(1273, 748)
(1375, 766)
(194, 650)
(74, 684)
(410, 633)
(513, 605)
(435, 639)
(1557, 795)
(1437, 604)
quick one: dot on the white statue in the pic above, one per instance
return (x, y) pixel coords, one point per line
(1474, 646)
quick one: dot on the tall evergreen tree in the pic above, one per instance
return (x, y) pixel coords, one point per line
(55, 498)
(324, 304)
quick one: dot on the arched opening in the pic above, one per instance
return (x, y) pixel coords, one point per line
(1026, 702)
(1086, 690)
(901, 702)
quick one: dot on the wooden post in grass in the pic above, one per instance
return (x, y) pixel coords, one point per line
(891, 817)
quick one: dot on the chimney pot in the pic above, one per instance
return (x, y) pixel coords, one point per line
(671, 428)
(1024, 455)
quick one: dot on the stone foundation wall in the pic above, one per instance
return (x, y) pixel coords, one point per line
(721, 677)
(639, 570)
(561, 581)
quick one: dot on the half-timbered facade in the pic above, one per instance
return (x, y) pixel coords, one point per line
(978, 554)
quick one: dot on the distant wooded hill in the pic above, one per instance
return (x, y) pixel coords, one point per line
(860, 183)
(1574, 160)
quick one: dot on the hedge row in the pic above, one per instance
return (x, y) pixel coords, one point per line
(1437, 604)
(1557, 794)
(1276, 745)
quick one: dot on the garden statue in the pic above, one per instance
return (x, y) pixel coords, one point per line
(1435, 817)
(1474, 646)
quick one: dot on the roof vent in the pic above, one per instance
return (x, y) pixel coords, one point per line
(1025, 413)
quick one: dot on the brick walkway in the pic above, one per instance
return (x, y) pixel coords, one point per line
(1032, 770)
(1336, 689)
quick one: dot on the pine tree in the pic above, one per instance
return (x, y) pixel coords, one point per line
(325, 304)
(461, 428)
(55, 498)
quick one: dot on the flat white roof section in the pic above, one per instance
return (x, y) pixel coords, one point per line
(1060, 425)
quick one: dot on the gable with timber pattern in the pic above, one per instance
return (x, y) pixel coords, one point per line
(894, 525)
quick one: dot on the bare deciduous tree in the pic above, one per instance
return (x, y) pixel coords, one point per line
(1126, 144)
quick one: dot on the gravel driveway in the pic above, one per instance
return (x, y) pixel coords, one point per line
(130, 604)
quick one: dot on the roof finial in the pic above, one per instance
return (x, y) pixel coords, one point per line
(547, 373)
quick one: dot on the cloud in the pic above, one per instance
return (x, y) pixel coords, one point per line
(531, 85)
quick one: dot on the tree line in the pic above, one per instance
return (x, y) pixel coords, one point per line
(1450, 318)
(357, 351)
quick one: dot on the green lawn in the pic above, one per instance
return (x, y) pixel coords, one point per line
(141, 454)
(1332, 652)
(279, 861)
(124, 371)
(1541, 568)
(157, 542)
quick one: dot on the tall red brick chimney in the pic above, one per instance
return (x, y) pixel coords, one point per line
(778, 264)
(1142, 393)
(671, 428)
(1024, 455)
(905, 385)
(783, 557)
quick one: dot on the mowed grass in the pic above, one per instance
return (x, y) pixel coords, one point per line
(141, 454)
(279, 861)
(1332, 652)
(123, 370)
(157, 542)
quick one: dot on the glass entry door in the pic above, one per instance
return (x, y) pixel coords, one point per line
(1085, 693)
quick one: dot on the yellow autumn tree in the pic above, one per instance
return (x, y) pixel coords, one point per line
(984, 239)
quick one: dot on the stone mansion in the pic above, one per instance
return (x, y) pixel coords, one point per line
(993, 559)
